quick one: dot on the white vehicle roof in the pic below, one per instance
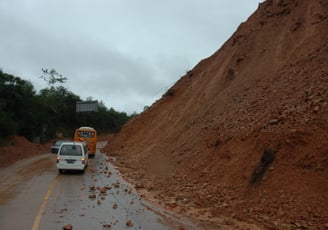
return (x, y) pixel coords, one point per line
(87, 128)
(73, 143)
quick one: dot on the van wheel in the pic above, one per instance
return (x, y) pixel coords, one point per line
(60, 171)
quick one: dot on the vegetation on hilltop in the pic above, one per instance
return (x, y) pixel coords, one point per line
(31, 114)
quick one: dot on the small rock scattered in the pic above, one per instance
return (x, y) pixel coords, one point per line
(129, 223)
(68, 227)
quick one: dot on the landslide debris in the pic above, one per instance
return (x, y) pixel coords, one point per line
(203, 148)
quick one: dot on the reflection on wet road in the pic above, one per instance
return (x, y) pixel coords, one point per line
(34, 196)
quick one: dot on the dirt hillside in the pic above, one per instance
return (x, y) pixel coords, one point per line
(243, 136)
(17, 148)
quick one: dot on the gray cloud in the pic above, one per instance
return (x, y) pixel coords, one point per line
(125, 53)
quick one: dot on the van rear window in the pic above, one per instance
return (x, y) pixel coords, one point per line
(71, 150)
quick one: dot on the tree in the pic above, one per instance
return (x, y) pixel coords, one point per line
(58, 108)
(25, 113)
(17, 106)
(52, 77)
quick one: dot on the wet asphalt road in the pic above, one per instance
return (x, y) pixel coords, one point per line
(34, 196)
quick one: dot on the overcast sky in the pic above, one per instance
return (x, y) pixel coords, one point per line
(125, 53)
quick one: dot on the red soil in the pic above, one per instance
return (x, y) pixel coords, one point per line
(198, 149)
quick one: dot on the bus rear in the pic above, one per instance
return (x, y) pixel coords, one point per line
(88, 135)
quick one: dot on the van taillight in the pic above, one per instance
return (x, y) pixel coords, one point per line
(83, 160)
(58, 158)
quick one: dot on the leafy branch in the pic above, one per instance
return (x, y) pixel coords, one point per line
(52, 77)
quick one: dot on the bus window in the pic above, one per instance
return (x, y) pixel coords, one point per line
(87, 134)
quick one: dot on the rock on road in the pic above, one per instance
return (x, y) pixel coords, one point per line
(34, 196)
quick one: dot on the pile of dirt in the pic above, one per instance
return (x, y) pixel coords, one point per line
(243, 135)
(17, 148)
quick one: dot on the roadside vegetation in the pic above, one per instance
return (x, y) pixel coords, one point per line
(51, 111)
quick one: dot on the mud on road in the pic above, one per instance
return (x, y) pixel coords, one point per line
(34, 196)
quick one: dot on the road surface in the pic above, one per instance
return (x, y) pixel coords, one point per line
(34, 196)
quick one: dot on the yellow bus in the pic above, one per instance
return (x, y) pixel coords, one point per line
(87, 135)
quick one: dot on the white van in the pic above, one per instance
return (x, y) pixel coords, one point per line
(72, 156)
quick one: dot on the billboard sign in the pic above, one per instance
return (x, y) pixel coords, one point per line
(87, 106)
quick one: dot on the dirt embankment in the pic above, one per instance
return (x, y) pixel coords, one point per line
(244, 134)
(17, 148)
